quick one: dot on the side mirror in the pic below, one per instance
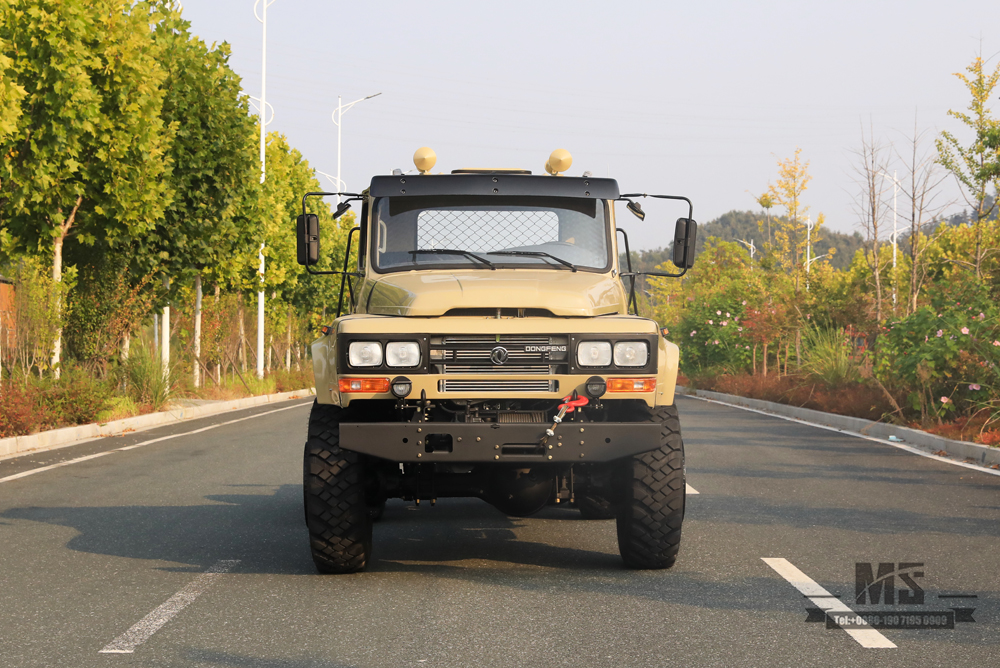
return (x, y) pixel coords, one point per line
(685, 237)
(307, 237)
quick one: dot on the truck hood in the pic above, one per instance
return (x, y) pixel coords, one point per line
(434, 293)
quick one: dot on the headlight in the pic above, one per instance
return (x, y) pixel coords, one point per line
(593, 353)
(402, 353)
(631, 353)
(365, 353)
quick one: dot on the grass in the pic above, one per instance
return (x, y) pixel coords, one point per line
(828, 357)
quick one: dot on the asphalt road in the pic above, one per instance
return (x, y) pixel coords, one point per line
(90, 552)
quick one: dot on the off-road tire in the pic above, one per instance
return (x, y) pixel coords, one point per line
(334, 483)
(653, 495)
(595, 507)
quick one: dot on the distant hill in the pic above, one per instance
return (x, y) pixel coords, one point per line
(736, 225)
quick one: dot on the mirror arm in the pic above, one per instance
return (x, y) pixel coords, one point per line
(343, 274)
(657, 273)
(350, 198)
(628, 262)
(676, 197)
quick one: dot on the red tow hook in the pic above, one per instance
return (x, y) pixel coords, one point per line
(570, 404)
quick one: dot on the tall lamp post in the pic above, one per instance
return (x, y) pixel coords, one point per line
(337, 183)
(809, 228)
(895, 234)
(338, 115)
(750, 247)
(262, 17)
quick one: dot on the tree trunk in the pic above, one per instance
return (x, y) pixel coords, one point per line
(765, 360)
(197, 331)
(218, 353)
(914, 252)
(878, 290)
(126, 345)
(755, 359)
(57, 280)
(64, 228)
(288, 342)
(165, 334)
(243, 334)
(796, 352)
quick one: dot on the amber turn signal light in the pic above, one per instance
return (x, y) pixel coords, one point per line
(367, 385)
(631, 384)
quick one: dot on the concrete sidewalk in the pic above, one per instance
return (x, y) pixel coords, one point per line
(60, 438)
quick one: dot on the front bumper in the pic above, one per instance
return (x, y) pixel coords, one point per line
(462, 442)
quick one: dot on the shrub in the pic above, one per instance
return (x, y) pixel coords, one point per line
(828, 357)
(852, 399)
(711, 335)
(289, 381)
(75, 398)
(18, 413)
(141, 378)
(118, 408)
(947, 352)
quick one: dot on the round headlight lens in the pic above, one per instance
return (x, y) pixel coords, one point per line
(364, 353)
(402, 353)
(596, 387)
(631, 353)
(593, 353)
(401, 386)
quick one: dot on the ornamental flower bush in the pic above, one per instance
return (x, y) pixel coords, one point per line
(710, 336)
(945, 352)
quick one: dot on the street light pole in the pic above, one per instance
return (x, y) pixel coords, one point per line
(809, 229)
(264, 4)
(895, 234)
(337, 183)
(338, 115)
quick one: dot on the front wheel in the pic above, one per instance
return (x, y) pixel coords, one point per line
(334, 485)
(652, 495)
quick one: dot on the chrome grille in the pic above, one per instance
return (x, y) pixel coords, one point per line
(472, 353)
(490, 385)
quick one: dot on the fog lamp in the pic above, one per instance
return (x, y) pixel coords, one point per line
(596, 387)
(401, 386)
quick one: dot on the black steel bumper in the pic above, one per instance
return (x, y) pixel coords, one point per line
(459, 442)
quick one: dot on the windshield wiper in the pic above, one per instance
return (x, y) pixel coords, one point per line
(537, 254)
(452, 251)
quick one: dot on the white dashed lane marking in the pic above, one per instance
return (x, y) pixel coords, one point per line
(692, 490)
(144, 629)
(827, 602)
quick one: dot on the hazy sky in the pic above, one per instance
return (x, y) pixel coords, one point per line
(697, 99)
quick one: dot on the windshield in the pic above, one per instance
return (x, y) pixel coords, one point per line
(498, 232)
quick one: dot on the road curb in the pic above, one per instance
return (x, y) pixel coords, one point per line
(16, 446)
(982, 455)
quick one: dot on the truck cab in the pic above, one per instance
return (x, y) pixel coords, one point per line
(488, 349)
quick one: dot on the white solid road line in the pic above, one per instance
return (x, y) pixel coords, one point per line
(24, 474)
(691, 490)
(144, 629)
(866, 637)
(901, 446)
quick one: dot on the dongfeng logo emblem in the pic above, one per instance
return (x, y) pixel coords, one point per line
(499, 355)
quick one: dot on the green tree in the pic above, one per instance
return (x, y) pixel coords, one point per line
(214, 175)
(976, 166)
(11, 95)
(88, 154)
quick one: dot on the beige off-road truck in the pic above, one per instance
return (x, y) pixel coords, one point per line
(491, 348)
